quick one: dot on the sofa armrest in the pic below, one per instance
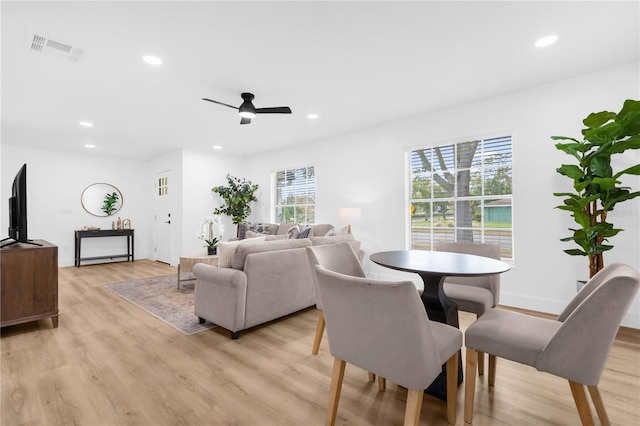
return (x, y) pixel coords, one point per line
(220, 295)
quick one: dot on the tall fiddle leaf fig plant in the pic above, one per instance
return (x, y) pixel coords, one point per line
(596, 184)
(237, 195)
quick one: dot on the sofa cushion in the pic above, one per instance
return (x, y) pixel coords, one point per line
(253, 234)
(242, 251)
(276, 237)
(283, 228)
(316, 241)
(322, 230)
(226, 250)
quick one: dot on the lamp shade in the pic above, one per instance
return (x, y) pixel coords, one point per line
(349, 216)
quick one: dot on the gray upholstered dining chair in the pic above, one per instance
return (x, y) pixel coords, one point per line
(474, 294)
(414, 348)
(338, 257)
(574, 346)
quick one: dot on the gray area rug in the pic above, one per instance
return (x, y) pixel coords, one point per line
(161, 298)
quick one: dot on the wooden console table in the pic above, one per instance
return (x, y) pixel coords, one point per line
(29, 283)
(104, 233)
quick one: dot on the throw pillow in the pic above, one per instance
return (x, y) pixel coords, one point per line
(242, 230)
(341, 231)
(293, 232)
(260, 228)
(226, 250)
(304, 233)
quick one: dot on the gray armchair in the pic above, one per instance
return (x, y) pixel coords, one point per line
(475, 294)
(575, 346)
(414, 348)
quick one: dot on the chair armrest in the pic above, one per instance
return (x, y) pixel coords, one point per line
(220, 295)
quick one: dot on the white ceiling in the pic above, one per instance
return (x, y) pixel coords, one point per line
(356, 64)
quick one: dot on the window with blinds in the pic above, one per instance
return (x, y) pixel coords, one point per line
(462, 192)
(295, 195)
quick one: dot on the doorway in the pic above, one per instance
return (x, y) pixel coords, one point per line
(162, 216)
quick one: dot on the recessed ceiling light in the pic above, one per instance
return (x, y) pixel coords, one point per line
(86, 124)
(89, 145)
(153, 60)
(546, 41)
(218, 147)
(312, 116)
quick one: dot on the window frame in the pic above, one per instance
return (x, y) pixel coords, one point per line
(310, 196)
(454, 198)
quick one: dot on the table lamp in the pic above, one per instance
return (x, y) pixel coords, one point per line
(349, 215)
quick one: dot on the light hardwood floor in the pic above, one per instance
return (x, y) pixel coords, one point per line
(110, 363)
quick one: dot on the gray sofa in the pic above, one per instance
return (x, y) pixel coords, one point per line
(267, 280)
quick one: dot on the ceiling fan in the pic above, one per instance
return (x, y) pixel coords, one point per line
(247, 111)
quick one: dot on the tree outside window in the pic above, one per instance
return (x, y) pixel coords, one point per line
(462, 192)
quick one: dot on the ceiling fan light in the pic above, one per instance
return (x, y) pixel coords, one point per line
(247, 114)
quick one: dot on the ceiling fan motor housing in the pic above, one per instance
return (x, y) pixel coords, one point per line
(247, 110)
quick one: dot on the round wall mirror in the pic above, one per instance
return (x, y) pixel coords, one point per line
(101, 199)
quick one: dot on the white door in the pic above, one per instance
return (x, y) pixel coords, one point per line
(163, 220)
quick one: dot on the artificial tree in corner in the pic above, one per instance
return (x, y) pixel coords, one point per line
(237, 197)
(596, 184)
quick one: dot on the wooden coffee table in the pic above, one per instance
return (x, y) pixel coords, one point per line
(187, 262)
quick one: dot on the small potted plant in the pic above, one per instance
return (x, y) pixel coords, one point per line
(208, 233)
(596, 186)
(237, 197)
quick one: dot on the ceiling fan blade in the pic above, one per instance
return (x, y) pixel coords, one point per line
(245, 120)
(274, 110)
(219, 103)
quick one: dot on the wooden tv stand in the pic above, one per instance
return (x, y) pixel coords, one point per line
(29, 283)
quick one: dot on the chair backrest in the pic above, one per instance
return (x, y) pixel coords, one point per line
(492, 250)
(338, 257)
(588, 288)
(380, 326)
(579, 349)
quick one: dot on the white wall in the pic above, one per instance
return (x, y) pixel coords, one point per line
(55, 181)
(367, 169)
(364, 169)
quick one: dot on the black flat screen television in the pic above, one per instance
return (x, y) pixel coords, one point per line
(18, 210)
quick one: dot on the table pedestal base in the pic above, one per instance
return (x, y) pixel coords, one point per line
(441, 309)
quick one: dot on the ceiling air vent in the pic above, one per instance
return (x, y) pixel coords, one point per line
(56, 48)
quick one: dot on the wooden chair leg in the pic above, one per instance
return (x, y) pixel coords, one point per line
(480, 363)
(382, 384)
(580, 398)
(334, 393)
(598, 403)
(319, 332)
(492, 370)
(452, 388)
(372, 377)
(480, 360)
(470, 384)
(414, 404)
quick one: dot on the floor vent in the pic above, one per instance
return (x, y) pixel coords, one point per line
(59, 49)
